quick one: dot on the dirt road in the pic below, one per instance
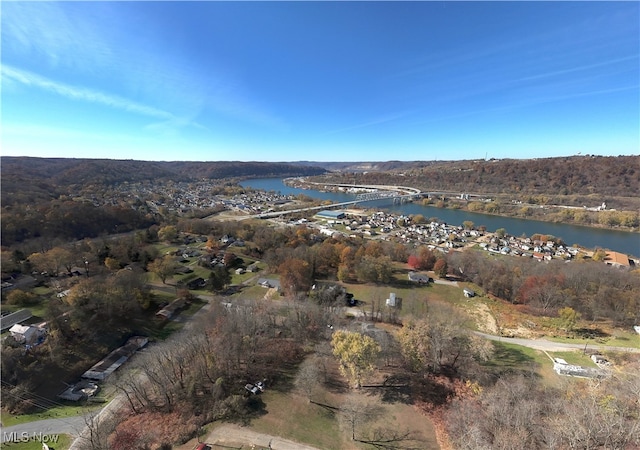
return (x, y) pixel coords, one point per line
(237, 437)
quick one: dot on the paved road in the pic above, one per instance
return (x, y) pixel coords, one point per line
(549, 346)
(81, 437)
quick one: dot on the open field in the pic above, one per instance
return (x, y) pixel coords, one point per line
(291, 415)
(55, 412)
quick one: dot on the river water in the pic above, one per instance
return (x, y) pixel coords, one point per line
(619, 241)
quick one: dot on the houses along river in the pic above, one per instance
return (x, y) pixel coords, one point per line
(619, 241)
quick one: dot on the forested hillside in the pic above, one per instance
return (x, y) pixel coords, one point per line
(34, 179)
(55, 198)
(576, 175)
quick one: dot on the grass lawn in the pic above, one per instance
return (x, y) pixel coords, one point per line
(511, 359)
(250, 293)
(54, 441)
(415, 298)
(42, 290)
(577, 358)
(617, 338)
(293, 417)
(56, 412)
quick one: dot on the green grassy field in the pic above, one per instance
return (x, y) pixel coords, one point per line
(577, 358)
(56, 412)
(618, 338)
(293, 417)
(510, 358)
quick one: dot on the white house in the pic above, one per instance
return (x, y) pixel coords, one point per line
(26, 334)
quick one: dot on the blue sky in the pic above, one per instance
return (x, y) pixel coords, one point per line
(322, 81)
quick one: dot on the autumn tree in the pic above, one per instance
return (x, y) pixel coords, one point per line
(569, 317)
(21, 298)
(52, 260)
(344, 273)
(441, 343)
(414, 262)
(112, 264)
(542, 291)
(356, 353)
(374, 269)
(326, 258)
(296, 275)
(413, 338)
(168, 233)
(426, 258)
(441, 268)
(163, 267)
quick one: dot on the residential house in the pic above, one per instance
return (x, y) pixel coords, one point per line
(26, 334)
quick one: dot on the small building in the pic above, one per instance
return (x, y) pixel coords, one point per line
(168, 311)
(198, 283)
(269, 283)
(617, 259)
(600, 361)
(331, 215)
(101, 370)
(80, 391)
(26, 334)
(418, 278)
(468, 293)
(393, 301)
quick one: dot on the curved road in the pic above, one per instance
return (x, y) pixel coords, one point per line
(550, 346)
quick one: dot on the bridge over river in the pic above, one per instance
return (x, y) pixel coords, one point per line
(374, 192)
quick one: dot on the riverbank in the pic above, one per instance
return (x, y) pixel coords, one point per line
(598, 217)
(573, 235)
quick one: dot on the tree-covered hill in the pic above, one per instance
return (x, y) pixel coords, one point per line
(576, 175)
(36, 179)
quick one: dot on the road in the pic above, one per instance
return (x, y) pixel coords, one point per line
(77, 425)
(65, 425)
(549, 346)
(234, 436)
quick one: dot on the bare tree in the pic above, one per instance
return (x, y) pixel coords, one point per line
(356, 412)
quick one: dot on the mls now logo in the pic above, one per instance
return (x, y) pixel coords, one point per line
(24, 436)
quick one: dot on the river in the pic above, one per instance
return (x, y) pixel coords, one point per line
(619, 241)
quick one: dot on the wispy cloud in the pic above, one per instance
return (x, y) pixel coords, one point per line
(100, 42)
(370, 123)
(582, 68)
(528, 102)
(57, 34)
(79, 93)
